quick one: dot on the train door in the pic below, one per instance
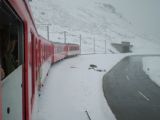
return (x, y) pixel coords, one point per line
(37, 56)
(40, 62)
(11, 61)
(37, 60)
(33, 66)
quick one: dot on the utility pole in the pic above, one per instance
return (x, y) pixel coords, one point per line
(48, 32)
(80, 38)
(46, 26)
(105, 47)
(94, 43)
(65, 36)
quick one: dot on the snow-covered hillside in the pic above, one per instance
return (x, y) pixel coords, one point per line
(93, 19)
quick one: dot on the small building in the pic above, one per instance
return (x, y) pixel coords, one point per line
(123, 47)
(125, 43)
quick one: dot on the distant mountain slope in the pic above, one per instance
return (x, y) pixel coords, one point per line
(93, 19)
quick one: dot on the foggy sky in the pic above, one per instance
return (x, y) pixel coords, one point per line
(144, 14)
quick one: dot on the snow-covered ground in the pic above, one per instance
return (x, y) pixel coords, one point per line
(72, 88)
(151, 66)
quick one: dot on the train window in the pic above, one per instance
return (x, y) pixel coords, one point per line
(59, 49)
(73, 48)
(11, 60)
(2, 74)
(10, 40)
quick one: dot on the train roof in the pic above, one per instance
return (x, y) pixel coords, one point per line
(71, 44)
(64, 43)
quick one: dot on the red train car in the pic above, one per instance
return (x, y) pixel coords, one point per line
(25, 59)
(45, 60)
(59, 52)
(72, 49)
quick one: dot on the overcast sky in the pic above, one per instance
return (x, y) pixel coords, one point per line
(144, 14)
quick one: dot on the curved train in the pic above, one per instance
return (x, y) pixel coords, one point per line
(25, 59)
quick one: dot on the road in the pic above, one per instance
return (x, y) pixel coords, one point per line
(130, 93)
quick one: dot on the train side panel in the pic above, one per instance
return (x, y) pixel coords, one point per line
(46, 59)
(13, 99)
(73, 49)
(59, 52)
(21, 85)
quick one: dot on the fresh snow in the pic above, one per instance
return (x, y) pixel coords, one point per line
(151, 66)
(71, 88)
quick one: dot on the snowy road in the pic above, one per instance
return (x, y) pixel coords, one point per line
(130, 92)
(72, 88)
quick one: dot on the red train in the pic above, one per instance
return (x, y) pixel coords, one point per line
(25, 59)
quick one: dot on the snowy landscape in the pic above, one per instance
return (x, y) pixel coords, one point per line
(72, 87)
(92, 19)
